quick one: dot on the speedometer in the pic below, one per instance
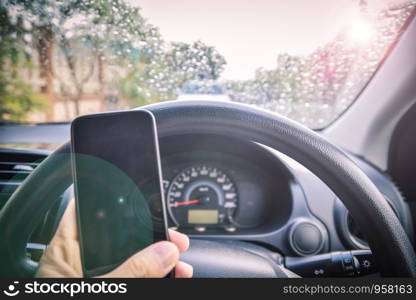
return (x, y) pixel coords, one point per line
(202, 196)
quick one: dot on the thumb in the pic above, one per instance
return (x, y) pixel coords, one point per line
(155, 261)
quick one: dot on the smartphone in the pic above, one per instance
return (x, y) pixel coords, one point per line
(118, 187)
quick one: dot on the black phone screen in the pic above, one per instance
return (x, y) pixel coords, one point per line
(118, 188)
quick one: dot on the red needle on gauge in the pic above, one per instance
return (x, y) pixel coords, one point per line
(176, 204)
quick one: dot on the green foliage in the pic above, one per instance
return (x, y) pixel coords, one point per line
(17, 99)
(161, 78)
(131, 91)
(144, 67)
(198, 60)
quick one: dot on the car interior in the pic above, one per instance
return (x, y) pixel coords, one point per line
(334, 198)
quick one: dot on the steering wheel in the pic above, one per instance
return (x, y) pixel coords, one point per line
(393, 251)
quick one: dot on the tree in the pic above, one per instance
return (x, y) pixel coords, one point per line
(100, 28)
(173, 64)
(196, 61)
(110, 32)
(17, 98)
(109, 41)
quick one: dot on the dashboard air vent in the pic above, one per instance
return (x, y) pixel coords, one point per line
(15, 166)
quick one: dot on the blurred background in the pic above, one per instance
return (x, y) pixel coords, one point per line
(307, 60)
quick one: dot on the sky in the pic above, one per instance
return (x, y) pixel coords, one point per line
(251, 33)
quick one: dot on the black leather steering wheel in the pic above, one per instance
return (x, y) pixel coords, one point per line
(392, 249)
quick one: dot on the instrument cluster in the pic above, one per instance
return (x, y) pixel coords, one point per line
(212, 190)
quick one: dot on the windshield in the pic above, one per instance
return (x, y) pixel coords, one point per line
(307, 60)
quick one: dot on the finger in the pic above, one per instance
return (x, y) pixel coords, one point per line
(183, 270)
(179, 239)
(155, 261)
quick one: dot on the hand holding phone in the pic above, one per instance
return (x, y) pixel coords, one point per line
(62, 257)
(118, 187)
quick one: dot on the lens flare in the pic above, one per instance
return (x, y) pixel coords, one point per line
(361, 31)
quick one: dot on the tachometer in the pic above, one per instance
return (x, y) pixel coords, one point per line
(202, 196)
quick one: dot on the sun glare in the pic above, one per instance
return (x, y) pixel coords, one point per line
(361, 31)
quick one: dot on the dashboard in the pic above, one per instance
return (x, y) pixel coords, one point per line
(213, 186)
(218, 187)
(222, 188)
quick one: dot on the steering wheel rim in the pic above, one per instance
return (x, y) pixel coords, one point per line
(388, 240)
